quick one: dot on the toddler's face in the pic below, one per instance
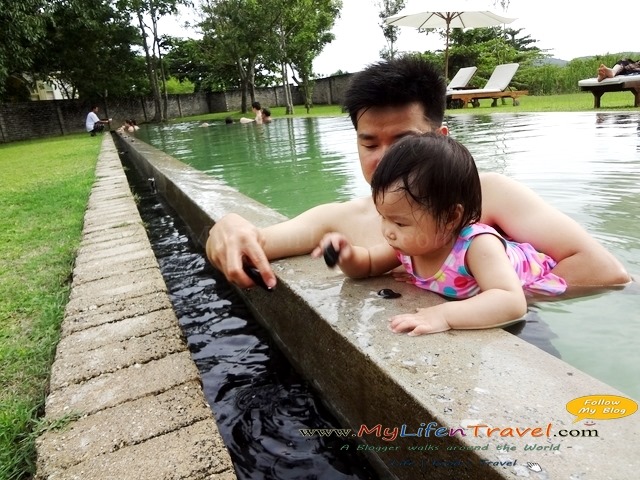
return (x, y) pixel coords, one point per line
(408, 227)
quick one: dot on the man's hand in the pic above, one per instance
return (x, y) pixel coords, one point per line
(234, 242)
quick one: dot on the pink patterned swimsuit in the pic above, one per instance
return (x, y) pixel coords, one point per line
(453, 279)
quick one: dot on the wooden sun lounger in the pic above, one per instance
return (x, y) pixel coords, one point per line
(497, 87)
(620, 83)
(474, 96)
(461, 78)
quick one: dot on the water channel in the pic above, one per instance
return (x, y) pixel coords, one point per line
(260, 402)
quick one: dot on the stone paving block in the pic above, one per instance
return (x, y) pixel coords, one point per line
(116, 286)
(118, 331)
(114, 207)
(109, 253)
(105, 190)
(111, 234)
(141, 259)
(111, 289)
(109, 216)
(124, 425)
(192, 453)
(86, 250)
(80, 315)
(92, 227)
(128, 384)
(74, 367)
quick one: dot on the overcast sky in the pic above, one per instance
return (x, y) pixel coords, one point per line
(567, 28)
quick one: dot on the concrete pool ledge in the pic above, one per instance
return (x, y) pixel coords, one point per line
(125, 398)
(334, 330)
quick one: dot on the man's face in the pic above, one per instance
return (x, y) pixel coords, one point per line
(379, 127)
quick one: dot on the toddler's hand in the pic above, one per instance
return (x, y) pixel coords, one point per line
(339, 242)
(402, 276)
(425, 320)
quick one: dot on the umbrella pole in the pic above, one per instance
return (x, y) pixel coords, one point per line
(446, 55)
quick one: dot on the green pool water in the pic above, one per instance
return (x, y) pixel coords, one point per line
(586, 164)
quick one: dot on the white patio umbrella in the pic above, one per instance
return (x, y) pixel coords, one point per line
(448, 14)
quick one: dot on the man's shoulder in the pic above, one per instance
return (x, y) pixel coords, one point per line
(339, 215)
(351, 207)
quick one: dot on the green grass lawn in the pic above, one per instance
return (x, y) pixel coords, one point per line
(44, 188)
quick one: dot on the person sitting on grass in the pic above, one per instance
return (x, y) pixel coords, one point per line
(622, 67)
(93, 123)
(427, 192)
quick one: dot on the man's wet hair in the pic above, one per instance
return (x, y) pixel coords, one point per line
(398, 82)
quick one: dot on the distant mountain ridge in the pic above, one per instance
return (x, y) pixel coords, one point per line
(562, 63)
(552, 61)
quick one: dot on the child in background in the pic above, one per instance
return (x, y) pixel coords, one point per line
(427, 191)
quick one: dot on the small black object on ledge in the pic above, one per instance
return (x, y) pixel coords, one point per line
(388, 293)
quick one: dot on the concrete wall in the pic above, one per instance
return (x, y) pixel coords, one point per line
(335, 331)
(25, 120)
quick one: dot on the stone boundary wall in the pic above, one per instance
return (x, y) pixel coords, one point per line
(28, 120)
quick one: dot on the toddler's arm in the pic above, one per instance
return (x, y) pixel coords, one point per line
(356, 261)
(501, 299)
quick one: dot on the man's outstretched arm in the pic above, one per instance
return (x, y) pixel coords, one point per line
(525, 217)
(234, 240)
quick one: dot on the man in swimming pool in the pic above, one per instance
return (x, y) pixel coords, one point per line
(387, 101)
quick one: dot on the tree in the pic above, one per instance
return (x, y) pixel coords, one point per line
(186, 60)
(234, 33)
(147, 14)
(266, 36)
(303, 28)
(87, 50)
(176, 86)
(390, 32)
(23, 28)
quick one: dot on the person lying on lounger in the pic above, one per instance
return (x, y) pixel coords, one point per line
(622, 67)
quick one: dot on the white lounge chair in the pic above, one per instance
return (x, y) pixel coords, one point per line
(496, 87)
(461, 78)
(618, 83)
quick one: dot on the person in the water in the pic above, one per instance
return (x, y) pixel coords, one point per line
(427, 192)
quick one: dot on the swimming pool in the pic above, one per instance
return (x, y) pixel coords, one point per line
(586, 164)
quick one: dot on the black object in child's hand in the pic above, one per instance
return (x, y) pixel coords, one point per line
(331, 255)
(254, 274)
